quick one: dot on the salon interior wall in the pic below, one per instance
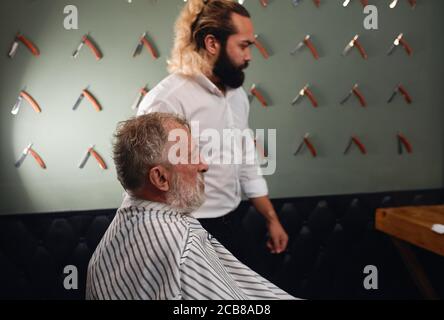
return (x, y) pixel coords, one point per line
(61, 136)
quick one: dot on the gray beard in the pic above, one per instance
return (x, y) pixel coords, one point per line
(187, 198)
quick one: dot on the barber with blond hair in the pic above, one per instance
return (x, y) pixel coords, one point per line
(212, 48)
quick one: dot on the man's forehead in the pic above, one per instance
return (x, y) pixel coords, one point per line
(178, 131)
(172, 124)
(244, 27)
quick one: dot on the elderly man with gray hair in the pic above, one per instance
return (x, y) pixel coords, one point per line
(153, 248)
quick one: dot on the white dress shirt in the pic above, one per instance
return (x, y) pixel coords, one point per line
(198, 99)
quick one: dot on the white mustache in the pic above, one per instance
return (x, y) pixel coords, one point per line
(201, 179)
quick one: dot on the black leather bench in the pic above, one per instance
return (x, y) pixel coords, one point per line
(332, 240)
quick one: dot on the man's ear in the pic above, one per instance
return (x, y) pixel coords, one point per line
(212, 45)
(160, 178)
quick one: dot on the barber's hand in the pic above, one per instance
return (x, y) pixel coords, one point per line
(277, 243)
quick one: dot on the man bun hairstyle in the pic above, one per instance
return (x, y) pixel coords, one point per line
(198, 19)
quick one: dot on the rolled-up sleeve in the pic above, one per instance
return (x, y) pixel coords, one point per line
(254, 188)
(252, 180)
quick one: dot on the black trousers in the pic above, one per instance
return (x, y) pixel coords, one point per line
(228, 230)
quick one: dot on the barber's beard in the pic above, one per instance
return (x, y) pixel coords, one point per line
(229, 74)
(186, 197)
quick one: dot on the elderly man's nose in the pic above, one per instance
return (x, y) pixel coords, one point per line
(203, 166)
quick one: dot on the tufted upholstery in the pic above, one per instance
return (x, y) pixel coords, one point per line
(332, 239)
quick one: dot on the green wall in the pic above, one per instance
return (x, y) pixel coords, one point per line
(62, 136)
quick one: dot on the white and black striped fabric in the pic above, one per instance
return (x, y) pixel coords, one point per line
(151, 251)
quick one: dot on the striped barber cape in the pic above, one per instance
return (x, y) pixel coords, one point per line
(152, 251)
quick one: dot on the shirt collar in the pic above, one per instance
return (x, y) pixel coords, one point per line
(208, 85)
(130, 201)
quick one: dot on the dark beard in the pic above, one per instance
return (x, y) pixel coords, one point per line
(227, 72)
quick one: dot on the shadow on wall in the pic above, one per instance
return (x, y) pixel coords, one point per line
(55, 80)
(16, 74)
